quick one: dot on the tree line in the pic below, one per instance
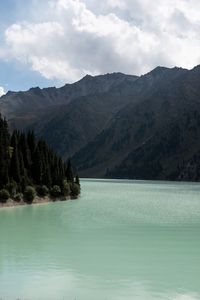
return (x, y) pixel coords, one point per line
(29, 167)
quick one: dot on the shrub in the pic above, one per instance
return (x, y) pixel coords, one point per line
(25, 181)
(75, 189)
(55, 191)
(4, 195)
(18, 197)
(29, 193)
(42, 190)
(12, 188)
(65, 188)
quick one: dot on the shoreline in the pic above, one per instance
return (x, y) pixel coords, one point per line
(37, 200)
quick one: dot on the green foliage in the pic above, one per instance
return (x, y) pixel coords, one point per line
(25, 181)
(18, 197)
(4, 195)
(75, 189)
(42, 190)
(65, 188)
(25, 150)
(4, 152)
(26, 163)
(69, 172)
(15, 173)
(55, 191)
(12, 188)
(77, 180)
(31, 141)
(29, 193)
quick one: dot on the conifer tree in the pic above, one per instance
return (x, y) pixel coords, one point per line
(4, 152)
(15, 163)
(69, 172)
(31, 143)
(77, 181)
(37, 166)
(24, 147)
(27, 162)
(21, 164)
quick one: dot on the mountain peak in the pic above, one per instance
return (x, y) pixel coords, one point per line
(196, 69)
(87, 76)
(159, 70)
(37, 88)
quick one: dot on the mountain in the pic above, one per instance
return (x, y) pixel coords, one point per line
(153, 138)
(68, 117)
(119, 126)
(23, 108)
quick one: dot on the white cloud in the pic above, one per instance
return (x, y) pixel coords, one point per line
(116, 4)
(2, 92)
(131, 36)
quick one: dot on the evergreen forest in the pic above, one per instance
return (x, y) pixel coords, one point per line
(30, 168)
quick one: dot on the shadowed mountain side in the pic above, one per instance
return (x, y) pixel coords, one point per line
(121, 126)
(79, 123)
(151, 139)
(32, 104)
(70, 127)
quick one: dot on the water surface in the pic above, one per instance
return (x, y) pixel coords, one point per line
(120, 240)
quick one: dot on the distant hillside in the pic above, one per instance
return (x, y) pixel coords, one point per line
(27, 105)
(68, 117)
(118, 125)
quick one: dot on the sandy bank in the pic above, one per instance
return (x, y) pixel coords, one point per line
(37, 200)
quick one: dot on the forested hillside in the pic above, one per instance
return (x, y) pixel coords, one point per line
(28, 165)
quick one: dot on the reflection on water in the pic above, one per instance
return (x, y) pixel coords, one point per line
(120, 240)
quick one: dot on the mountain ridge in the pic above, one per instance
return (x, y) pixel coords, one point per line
(118, 125)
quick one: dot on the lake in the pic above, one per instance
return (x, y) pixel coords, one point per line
(121, 240)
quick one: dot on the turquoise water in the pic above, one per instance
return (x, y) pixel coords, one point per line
(120, 240)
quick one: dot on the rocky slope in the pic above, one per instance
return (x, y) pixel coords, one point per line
(118, 125)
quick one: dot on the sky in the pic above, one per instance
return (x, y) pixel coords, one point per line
(53, 42)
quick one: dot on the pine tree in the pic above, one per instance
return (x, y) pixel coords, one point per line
(24, 147)
(69, 172)
(15, 136)
(21, 164)
(37, 167)
(31, 143)
(15, 173)
(26, 162)
(4, 152)
(77, 181)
